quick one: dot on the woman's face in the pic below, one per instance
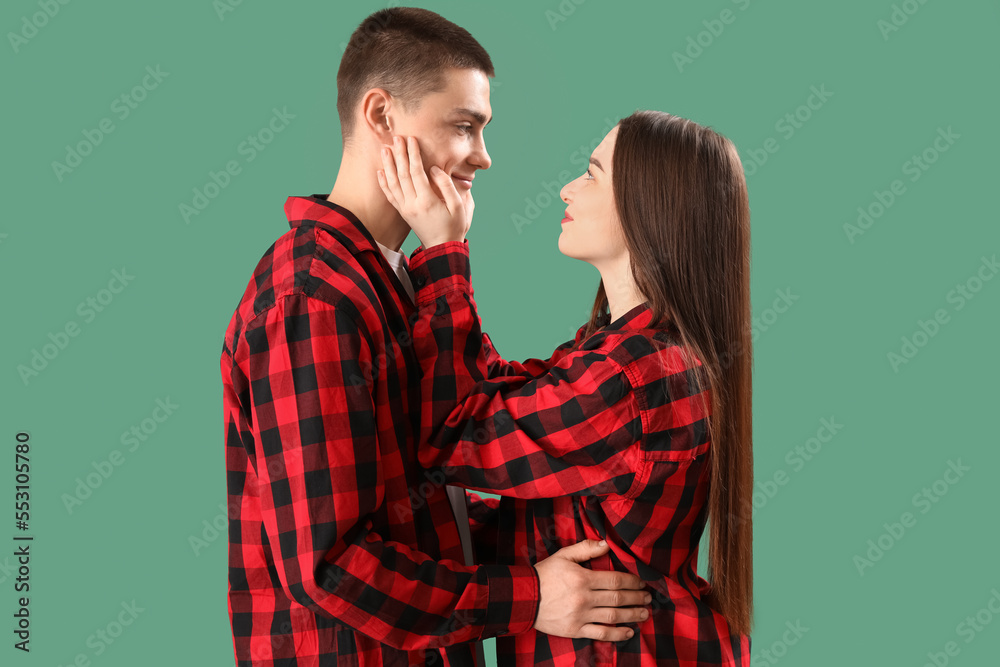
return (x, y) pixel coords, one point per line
(591, 230)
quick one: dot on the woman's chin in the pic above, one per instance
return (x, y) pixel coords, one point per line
(564, 246)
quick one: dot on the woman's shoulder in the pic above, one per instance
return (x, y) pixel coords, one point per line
(650, 353)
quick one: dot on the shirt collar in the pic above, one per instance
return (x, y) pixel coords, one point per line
(315, 209)
(639, 317)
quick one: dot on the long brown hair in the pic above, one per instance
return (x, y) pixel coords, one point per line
(681, 197)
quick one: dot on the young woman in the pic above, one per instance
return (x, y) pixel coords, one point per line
(638, 431)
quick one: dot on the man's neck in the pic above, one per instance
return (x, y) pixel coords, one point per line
(357, 190)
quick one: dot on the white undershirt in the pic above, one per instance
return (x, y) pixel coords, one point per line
(397, 261)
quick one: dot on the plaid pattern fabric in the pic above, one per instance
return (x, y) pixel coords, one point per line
(608, 441)
(342, 551)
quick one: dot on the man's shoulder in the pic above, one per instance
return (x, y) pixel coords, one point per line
(307, 260)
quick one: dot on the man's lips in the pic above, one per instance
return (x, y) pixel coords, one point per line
(465, 181)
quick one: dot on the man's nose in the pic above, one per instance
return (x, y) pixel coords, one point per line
(480, 157)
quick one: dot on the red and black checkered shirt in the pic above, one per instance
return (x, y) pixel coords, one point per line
(341, 549)
(608, 441)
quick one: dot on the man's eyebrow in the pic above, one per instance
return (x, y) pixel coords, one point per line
(594, 161)
(475, 115)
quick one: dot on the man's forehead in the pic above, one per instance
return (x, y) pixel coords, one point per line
(467, 93)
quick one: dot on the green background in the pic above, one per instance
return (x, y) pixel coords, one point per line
(561, 71)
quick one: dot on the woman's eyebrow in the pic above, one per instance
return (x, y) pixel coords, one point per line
(594, 161)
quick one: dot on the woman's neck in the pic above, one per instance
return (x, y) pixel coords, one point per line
(619, 286)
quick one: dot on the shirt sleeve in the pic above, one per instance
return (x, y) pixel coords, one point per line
(497, 365)
(317, 460)
(572, 430)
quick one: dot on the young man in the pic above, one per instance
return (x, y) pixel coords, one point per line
(341, 549)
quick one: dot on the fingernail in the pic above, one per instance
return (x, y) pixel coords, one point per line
(644, 614)
(629, 634)
(602, 543)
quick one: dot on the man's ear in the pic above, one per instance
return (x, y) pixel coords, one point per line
(376, 109)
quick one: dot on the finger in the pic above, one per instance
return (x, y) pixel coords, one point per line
(446, 185)
(470, 208)
(612, 581)
(418, 176)
(391, 179)
(385, 188)
(620, 598)
(584, 550)
(605, 633)
(403, 168)
(616, 615)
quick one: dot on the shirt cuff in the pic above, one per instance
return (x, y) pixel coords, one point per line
(514, 596)
(440, 269)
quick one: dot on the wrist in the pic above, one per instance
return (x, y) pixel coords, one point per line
(440, 269)
(436, 241)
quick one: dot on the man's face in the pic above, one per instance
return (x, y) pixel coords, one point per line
(449, 124)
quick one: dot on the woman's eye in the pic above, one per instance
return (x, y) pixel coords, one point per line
(590, 176)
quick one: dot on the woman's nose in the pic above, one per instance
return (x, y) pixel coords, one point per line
(565, 192)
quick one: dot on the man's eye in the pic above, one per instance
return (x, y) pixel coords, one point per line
(465, 128)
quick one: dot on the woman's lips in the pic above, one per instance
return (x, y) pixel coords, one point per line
(567, 217)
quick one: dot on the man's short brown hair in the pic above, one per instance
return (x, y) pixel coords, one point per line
(404, 50)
